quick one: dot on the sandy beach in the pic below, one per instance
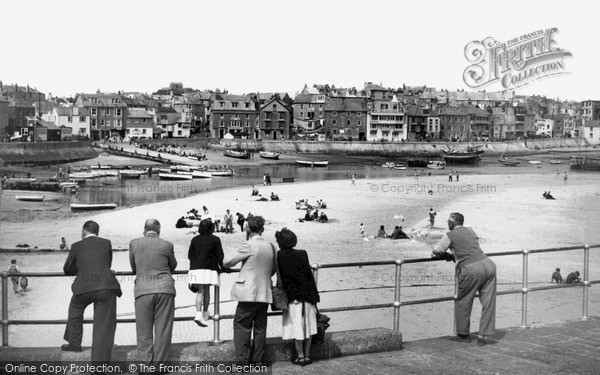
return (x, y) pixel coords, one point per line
(508, 212)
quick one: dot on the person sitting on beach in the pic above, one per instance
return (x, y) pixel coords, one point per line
(398, 234)
(321, 204)
(556, 276)
(323, 218)
(274, 197)
(63, 244)
(381, 233)
(308, 216)
(262, 199)
(254, 190)
(181, 223)
(547, 195)
(573, 278)
(315, 215)
(363, 231)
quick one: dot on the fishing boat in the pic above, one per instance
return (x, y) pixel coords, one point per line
(307, 163)
(508, 162)
(131, 174)
(68, 185)
(223, 173)
(30, 198)
(534, 162)
(584, 162)
(400, 167)
(21, 179)
(555, 161)
(417, 162)
(236, 154)
(201, 174)
(454, 156)
(92, 206)
(269, 155)
(436, 164)
(184, 168)
(109, 166)
(175, 176)
(388, 165)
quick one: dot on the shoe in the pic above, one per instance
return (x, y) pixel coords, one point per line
(200, 322)
(205, 316)
(70, 348)
(461, 338)
(299, 361)
(480, 341)
(307, 361)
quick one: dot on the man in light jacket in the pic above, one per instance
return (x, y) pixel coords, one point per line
(252, 290)
(153, 259)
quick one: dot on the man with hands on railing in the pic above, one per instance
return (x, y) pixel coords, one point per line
(252, 290)
(475, 273)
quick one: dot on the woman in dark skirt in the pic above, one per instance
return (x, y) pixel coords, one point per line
(206, 262)
(299, 321)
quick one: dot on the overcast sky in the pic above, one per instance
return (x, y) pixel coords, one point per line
(66, 47)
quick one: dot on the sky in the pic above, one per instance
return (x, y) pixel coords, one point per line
(68, 47)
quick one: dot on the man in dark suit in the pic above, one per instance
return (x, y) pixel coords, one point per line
(252, 290)
(153, 259)
(90, 261)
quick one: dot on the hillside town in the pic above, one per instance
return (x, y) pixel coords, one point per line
(374, 113)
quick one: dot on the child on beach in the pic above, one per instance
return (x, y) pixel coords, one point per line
(206, 262)
(363, 231)
(12, 270)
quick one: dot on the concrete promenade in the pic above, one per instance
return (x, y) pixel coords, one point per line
(561, 348)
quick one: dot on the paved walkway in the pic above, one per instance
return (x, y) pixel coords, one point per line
(565, 348)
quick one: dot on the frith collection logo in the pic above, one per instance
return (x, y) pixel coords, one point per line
(515, 63)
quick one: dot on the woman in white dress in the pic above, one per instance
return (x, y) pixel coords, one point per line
(300, 319)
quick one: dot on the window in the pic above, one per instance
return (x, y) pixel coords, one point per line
(93, 122)
(274, 107)
(93, 111)
(384, 106)
(373, 133)
(334, 122)
(69, 119)
(108, 111)
(101, 122)
(234, 104)
(321, 107)
(348, 123)
(102, 111)
(222, 117)
(247, 105)
(247, 116)
(117, 111)
(222, 104)
(395, 106)
(144, 120)
(282, 115)
(221, 123)
(118, 123)
(301, 106)
(143, 131)
(82, 131)
(268, 115)
(81, 119)
(163, 118)
(321, 98)
(359, 123)
(301, 114)
(179, 132)
(24, 131)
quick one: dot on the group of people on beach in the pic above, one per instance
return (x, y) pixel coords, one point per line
(572, 278)
(152, 259)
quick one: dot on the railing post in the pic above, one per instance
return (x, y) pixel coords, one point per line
(524, 290)
(217, 316)
(455, 297)
(586, 283)
(4, 308)
(397, 302)
(315, 268)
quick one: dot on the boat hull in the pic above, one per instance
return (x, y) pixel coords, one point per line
(30, 198)
(306, 163)
(236, 154)
(584, 162)
(174, 176)
(462, 157)
(92, 206)
(269, 155)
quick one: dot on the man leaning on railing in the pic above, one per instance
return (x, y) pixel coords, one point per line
(475, 272)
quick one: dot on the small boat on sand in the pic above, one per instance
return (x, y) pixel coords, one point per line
(236, 154)
(269, 155)
(92, 206)
(307, 163)
(30, 198)
(175, 176)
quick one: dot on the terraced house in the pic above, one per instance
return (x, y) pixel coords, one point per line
(107, 114)
(386, 120)
(140, 125)
(309, 111)
(346, 118)
(274, 120)
(234, 114)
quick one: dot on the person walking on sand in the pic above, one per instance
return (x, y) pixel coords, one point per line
(363, 231)
(152, 259)
(450, 176)
(476, 272)
(416, 174)
(206, 262)
(353, 178)
(457, 176)
(14, 270)
(228, 219)
(565, 178)
(432, 215)
(268, 179)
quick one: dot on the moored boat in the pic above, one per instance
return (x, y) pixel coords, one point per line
(22, 179)
(453, 156)
(223, 173)
(131, 174)
(534, 162)
(30, 198)
(175, 176)
(92, 206)
(400, 167)
(417, 162)
(436, 164)
(584, 162)
(509, 162)
(236, 154)
(184, 168)
(555, 161)
(201, 174)
(269, 155)
(307, 163)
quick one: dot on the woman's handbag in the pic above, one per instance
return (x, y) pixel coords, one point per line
(280, 300)
(322, 325)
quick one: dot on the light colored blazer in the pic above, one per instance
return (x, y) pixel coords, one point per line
(253, 283)
(152, 259)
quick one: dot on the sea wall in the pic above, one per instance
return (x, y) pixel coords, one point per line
(521, 147)
(45, 152)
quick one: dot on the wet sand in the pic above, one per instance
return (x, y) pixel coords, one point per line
(507, 211)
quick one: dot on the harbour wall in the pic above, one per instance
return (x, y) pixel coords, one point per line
(45, 152)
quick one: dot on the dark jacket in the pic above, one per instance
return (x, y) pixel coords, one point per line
(296, 276)
(90, 260)
(206, 253)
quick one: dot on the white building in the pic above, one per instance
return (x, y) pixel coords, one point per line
(591, 131)
(544, 126)
(386, 121)
(78, 119)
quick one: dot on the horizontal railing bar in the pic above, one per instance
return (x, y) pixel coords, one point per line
(340, 265)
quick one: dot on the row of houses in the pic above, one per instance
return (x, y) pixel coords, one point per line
(374, 113)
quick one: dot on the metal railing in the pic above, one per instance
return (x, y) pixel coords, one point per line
(396, 304)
